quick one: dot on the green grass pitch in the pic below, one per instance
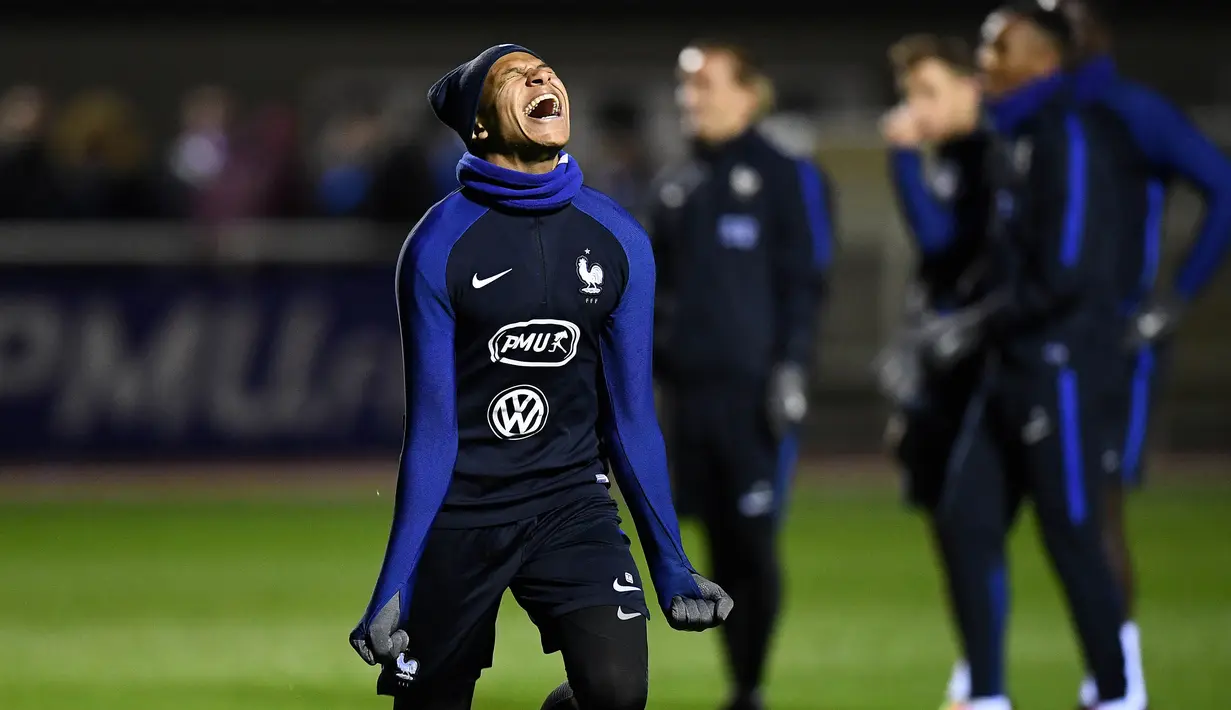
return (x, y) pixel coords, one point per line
(189, 605)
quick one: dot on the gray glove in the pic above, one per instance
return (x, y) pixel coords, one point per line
(700, 614)
(948, 338)
(1155, 322)
(379, 640)
(899, 372)
(787, 397)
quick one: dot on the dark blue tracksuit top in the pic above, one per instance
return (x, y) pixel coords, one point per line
(526, 308)
(1175, 149)
(1064, 211)
(743, 236)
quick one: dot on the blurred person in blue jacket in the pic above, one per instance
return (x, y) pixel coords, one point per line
(348, 147)
(1176, 151)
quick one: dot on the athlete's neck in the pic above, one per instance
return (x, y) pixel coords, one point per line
(536, 165)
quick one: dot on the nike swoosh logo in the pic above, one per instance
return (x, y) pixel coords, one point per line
(624, 615)
(480, 283)
(615, 584)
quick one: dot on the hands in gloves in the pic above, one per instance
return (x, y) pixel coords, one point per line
(689, 614)
(379, 640)
(1155, 322)
(787, 398)
(899, 372)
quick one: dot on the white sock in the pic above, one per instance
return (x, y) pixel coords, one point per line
(959, 683)
(999, 702)
(1134, 672)
(1121, 704)
(1088, 694)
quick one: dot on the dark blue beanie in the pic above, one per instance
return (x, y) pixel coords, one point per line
(455, 96)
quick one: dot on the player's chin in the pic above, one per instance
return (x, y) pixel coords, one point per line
(547, 133)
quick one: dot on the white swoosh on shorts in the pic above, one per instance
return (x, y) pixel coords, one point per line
(615, 584)
(624, 615)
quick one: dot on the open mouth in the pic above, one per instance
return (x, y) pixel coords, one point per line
(544, 107)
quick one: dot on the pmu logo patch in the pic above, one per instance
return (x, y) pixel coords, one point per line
(519, 412)
(541, 342)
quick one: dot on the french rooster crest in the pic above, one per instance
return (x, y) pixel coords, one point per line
(590, 274)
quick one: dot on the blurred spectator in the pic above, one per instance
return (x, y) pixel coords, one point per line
(199, 153)
(402, 188)
(623, 170)
(260, 178)
(348, 146)
(101, 154)
(444, 151)
(27, 185)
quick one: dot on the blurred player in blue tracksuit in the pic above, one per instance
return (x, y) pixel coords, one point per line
(742, 238)
(1066, 179)
(1175, 149)
(945, 202)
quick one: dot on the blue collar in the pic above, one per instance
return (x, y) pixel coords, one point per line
(1008, 112)
(1092, 79)
(516, 191)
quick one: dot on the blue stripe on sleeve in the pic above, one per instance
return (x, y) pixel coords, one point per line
(816, 208)
(638, 455)
(1075, 207)
(931, 221)
(1138, 415)
(429, 445)
(1072, 446)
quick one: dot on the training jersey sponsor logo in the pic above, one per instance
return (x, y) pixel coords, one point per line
(541, 342)
(518, 412)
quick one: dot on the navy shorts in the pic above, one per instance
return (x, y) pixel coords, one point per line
(573, 557)
(1131, 424)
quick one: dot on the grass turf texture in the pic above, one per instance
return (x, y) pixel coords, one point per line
(146, 605)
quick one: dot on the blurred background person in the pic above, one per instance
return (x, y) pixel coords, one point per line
(403, 184)
(27, 183)
(201, 149)
(347, 151)
(742, 237)
(624, 171)
(444, 150)
(1176, 151)
(102, 157)
(1052, 335)
(263, 176)
(945, 203)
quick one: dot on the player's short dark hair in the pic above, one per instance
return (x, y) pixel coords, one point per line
(748, 70)
(912, 50)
